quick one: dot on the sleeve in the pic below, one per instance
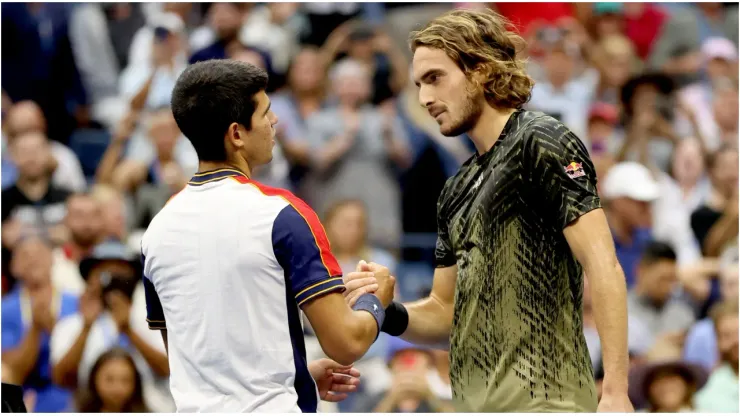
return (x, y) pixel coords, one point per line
(63, 336)
(302, 249)
(154, 311)
(12, 328)
(444, 255)
(560, 171)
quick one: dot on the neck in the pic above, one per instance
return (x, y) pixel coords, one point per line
(77, 251)
(240, 165)
(490, 124)
(33, 188)
(348, 107)
(110, 409)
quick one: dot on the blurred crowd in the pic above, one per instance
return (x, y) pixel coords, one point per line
(91, 152)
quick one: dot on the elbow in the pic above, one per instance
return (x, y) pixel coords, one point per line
(346, 354)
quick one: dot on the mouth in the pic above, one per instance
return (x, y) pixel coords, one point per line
(436, 113)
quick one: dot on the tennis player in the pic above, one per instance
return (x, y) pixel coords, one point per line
(228, 262)
(518, 225)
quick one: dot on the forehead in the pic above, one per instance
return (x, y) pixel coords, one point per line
(261, 101)
(429, 59)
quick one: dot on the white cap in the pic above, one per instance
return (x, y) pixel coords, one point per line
(630, 180)
(719, 48)
(170, 21)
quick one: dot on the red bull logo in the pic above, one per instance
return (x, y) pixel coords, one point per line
(574, 170)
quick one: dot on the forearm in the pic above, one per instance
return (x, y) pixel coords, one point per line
(399, 70)
(350, 338)
(430, 321)
(64, 373)
(107, 166)
(139, 100)
(328, 156)
(398, 152)
(386, 405)
(22, 358)
(609, 297)
(720, 233)
(156, 360)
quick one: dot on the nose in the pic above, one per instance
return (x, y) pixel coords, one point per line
(425, 97)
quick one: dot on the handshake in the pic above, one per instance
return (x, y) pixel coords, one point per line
(369, 278)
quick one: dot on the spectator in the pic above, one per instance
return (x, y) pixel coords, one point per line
(39, 64)
(275, 28)
(29, 314)
(721, 392)
(615, 59)
(347, 228)
(27, 117)
(665, 384)
(351, 142)
(701, 341)
(627, 191)
(677, 49)
(601, 127)
(563, 94)
(84, 221)
(608, 19)
(374, 49)
(225, 21)
(142, 45)
(410, 391)
(114, 386)
(101, 35)
(304, 96)
(655, 305)
(111, 316)
(642, 25)
(151, 81)
(33, 201)
(649, 110)
(684, 189)
(115, 212)
(725, 111)
(715, 222)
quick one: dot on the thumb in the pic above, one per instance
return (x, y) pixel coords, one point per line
(330, 365)
(361, 265)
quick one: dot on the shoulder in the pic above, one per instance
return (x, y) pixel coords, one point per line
(534, 126)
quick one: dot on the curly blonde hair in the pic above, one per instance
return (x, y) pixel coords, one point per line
(479, 43)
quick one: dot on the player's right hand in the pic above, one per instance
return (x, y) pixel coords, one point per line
(358, 283)
(386, 283)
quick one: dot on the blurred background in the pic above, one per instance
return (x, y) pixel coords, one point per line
(91, 152)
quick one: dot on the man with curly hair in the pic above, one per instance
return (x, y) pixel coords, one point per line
(517, 227)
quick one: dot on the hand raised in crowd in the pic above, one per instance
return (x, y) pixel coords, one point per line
(125, 127)
(42, 316)
(382, 42)
(91, 306)
(120, 308)
(173, 176)
(410, 384)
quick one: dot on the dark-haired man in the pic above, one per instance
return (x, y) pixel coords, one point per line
(228, 262)
(657, 311)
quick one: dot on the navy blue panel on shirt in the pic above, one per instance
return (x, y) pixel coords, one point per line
(304, 384)
(154, 312)
(298, 253)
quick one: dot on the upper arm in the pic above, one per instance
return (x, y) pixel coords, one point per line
(591, 241)
(443, 286)
(301, 248)
(154, 311)
(560, 172)
(444, 254)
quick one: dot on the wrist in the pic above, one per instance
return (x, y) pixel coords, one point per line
(396, 319)
(371, 303)
(612, 386)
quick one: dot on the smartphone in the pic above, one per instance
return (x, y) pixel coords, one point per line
(161, 34)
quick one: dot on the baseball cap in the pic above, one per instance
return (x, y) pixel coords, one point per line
(719, 48)
(604, 111)
(169, 21)
(396, 345)
(111, 250)
(630, 180)
(608, 7)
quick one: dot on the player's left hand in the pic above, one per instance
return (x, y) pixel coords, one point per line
(334, 380)
(615, 403)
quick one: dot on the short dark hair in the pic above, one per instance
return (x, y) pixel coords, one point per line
(209, 96)
(657, 251)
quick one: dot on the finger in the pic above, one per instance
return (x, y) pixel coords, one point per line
(331, 397)
(345, 380)
(356, 284)
(343, 388)
(360, 265)
(352, 299)
(352, 276)
(348, 371)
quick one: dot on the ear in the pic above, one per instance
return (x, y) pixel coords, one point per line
(235, 136)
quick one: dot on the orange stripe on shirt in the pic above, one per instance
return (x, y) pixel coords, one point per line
(314, 224)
